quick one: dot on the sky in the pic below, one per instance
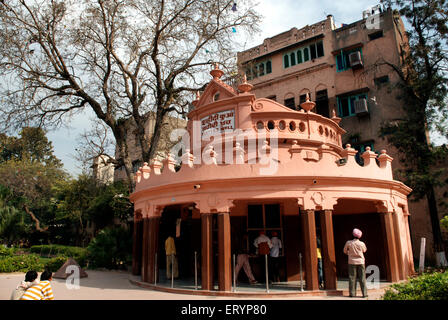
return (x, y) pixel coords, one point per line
(278, 16)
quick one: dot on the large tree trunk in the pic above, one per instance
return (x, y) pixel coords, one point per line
(33, 217)
(435, 223)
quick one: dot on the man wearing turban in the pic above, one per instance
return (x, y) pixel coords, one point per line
(356, 263)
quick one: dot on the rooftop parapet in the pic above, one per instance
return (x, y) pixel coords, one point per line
(289, 143)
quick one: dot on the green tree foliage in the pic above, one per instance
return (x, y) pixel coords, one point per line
(82, 200)
(30, 171)
(111, 248)
(72, 201)
(112, 201)
(444, 223)
(32, 145)
(423, 75)
(12, 221)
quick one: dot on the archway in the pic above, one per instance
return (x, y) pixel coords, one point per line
(361, 214)
(178, 221)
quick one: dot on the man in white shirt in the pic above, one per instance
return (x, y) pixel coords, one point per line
(356, 263)
(275, 253)
(263, 244)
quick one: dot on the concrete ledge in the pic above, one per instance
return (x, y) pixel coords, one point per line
(238, 293)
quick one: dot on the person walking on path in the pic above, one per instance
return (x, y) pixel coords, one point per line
(41, 291)
(171, 259)
(274, 254)
(242, 261)
(30, 280)
(356, 263)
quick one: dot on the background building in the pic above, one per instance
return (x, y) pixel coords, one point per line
(339, 67)
(164, 146)
(103, 171)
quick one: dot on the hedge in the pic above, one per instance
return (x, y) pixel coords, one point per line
(21, 263)
(55, 263)
(429, 286)
(77, 253)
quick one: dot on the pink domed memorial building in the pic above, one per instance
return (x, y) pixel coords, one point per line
(250, 165)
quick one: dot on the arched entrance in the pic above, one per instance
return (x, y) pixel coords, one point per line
(178, 221)
(361, 214)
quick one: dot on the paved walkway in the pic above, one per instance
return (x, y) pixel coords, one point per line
(115, 285)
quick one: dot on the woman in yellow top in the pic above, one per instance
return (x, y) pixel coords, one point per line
(171, 259)
(319, 265)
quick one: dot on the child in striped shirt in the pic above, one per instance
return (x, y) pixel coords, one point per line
(41, 291)
(30, 280)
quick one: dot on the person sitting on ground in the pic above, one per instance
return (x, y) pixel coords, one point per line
(41, 291)
(30, 280)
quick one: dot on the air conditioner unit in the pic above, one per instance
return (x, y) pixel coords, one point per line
(361, 107)
(355, 60)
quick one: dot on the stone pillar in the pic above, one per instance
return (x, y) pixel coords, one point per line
(145, 245)
(207, 251)
(328, 251)
(310, 247)
(391, 252)
(137, 241)
(398, 247)
(224, 252)
(153, 237)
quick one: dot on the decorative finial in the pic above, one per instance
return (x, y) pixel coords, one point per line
(216, 73)
(307, 105)
(334, 117)
(245, 86)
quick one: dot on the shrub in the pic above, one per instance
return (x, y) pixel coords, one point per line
(21, 263)
(6, 252)
(77, 253)
(111, 249)
(55, 263)
(429, 286)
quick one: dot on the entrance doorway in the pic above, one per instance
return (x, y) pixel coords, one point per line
(177, 221)
(373, 237)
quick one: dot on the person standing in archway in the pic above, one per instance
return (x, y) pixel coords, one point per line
(356, 263)
(171, 259)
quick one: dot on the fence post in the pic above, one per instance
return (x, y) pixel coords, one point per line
(301, 277)
(234, 278)
(267, 273)
(196, 270)
(155, 269)
(421, 265)
(172, 271)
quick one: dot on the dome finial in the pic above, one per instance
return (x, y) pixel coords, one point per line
(216, 73)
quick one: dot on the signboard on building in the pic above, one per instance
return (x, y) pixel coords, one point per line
(218, 122)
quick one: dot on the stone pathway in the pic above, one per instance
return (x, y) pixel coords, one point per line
(115, 285)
